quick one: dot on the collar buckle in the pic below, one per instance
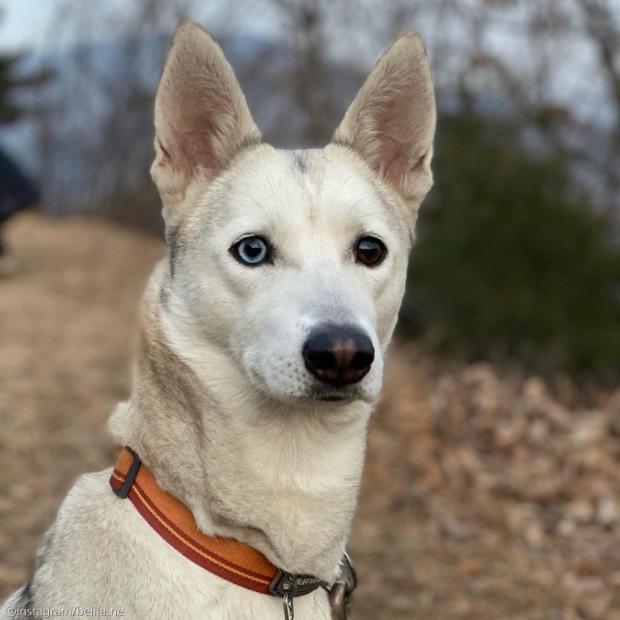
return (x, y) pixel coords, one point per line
(287, 584)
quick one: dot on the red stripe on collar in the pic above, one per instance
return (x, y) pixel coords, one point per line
(174, 522)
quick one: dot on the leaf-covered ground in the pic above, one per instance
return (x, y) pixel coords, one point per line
(487, 495)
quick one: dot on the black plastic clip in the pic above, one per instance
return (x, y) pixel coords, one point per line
(123, 490)
(286, 584)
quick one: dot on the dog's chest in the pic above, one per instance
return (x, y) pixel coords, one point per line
(122, 563)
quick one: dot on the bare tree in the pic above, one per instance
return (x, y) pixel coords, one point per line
(553, 65)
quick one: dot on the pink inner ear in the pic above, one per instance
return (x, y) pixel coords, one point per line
(195, 151)
(196, 116)
(394, 137)
(402, 137)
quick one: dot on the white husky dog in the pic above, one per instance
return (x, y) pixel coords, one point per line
(263, 333)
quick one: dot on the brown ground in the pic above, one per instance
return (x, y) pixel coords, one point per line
(486, 496)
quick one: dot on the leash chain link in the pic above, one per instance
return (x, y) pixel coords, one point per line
(289, 610)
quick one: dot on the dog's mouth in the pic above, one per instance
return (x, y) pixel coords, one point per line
(344, 396)
(335, 398)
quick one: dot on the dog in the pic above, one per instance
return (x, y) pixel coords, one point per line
(263, 333)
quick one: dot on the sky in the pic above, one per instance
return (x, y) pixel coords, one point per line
(24, 23)
(28, 24)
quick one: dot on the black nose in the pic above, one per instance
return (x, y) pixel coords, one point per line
(338, 355)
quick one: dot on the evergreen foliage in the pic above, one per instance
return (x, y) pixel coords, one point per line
(511, 260)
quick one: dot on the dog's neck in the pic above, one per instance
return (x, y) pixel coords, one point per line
(283, 479)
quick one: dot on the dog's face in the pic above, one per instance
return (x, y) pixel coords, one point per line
(291, 262)
(288, 249)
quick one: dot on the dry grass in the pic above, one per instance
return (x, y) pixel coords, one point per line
(486, 496)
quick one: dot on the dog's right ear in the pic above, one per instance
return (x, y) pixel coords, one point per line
(201, 116)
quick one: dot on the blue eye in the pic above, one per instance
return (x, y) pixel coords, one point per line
(251, 251)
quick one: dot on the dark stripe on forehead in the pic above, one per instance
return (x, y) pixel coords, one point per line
(300, 159)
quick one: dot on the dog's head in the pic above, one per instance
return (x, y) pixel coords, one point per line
(292, 262)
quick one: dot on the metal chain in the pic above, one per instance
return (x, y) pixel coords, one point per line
(289, 610)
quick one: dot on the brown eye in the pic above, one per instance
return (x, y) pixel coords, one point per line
(370, 251)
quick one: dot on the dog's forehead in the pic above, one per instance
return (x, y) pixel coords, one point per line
(309, 184)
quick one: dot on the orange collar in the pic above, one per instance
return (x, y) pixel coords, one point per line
(174, 522)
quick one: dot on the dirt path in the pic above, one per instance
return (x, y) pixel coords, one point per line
(485, 497)
(66, 328)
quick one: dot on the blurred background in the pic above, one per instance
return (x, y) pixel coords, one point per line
(491, 489)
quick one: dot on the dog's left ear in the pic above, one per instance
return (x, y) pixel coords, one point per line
(201, 116)
(391, 122)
